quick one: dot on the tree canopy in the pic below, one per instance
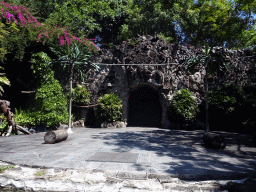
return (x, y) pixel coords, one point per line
(116, 21)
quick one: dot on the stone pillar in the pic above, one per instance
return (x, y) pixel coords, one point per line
(124, 111)
(165, 122)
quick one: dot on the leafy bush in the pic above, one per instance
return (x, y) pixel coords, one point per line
(50, 108)
(226, 97)
(249, 105)
(132, 42)
(80, 96)
(4, 123)
(24, 118)
(50, 105)
(109, 108)
(225, 106)
(183, 107)
(42, 73)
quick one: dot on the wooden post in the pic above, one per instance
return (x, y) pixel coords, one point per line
(55, 136)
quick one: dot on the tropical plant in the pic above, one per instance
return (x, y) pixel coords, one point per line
(227, 97)
(109, 108)
(4, 123)
(167, 39)
(25, 118)
(76, 57)
(213, 62)
(226, 104)
(212, 23)
(249, 105)
(3, 81)
(80, 95)
(183, 107)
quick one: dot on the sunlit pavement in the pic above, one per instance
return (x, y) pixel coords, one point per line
(132, 150)
(134, 153)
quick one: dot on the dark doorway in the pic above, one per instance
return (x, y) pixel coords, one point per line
(89, 117)
(144, 108)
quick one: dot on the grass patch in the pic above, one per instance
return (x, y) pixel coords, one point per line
(4, 168)
(40, 173)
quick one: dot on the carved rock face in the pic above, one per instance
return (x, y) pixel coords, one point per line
(164, 79)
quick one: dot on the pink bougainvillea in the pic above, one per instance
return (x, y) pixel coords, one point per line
(45, 33)
(62, 40)
(9, 16)
(22, 13)
(22, 19)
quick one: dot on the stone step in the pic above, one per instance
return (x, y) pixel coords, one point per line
(48, 179)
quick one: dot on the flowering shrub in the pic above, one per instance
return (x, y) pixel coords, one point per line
(24, 28)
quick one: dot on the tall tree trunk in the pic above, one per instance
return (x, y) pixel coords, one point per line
(206, 101)
(70, 97)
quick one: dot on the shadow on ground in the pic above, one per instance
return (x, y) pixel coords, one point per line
(185, 146)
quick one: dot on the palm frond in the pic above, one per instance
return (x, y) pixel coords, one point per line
(4, 80)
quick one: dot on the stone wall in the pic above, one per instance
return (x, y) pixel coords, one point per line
(166, 79)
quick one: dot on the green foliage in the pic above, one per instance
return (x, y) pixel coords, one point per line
(4, 168)
(133, 42)
(109, 108)
(25, 118)
(3, 81)
(40, 173)
(81, 96)
(50, 108)
(216, 22)
(213, 21)
(77, 55)
(249, 119)
(110, 46)
(183, 107)
(233, 106)
(40, 68)
(4, 124)
(3, 33)
(50, 105)
(214, 62)
(226, 98)
(167, 39)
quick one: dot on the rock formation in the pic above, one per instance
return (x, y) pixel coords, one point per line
(157, 66)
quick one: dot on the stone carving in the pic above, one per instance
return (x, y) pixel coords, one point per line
(166, 79)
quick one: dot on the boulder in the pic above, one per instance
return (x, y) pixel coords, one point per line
(79, 123)
(215, 141)
(63, 127)
(117, 124)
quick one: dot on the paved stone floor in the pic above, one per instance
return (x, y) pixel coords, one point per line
(135, 158)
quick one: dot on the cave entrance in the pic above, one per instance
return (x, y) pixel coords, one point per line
(144, 108)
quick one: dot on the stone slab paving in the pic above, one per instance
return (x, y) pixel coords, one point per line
(134, 158)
